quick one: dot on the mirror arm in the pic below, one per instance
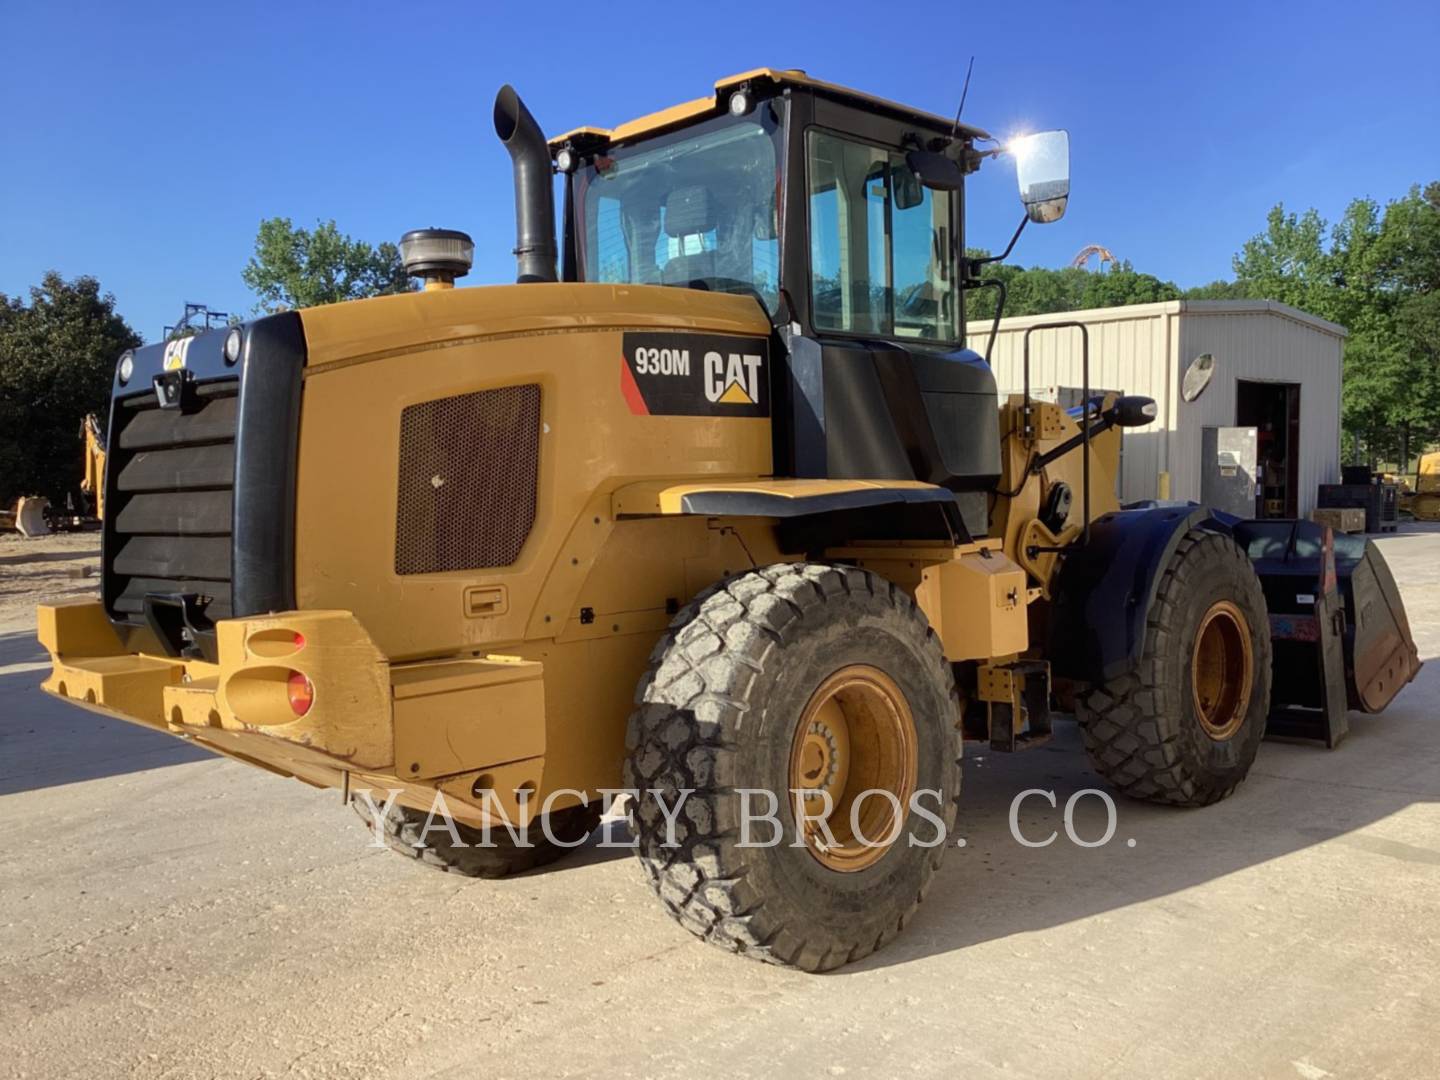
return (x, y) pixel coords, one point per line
(998, 284)
(1008, 247)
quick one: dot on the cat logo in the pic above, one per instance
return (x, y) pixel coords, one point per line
(175, 352)
(732, 379)
(686, 374)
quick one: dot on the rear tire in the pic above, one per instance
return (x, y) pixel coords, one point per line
(776, 674)
(403, 828)
(1185, 725)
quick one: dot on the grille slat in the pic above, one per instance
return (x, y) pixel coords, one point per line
(171, 511)
(169, 557)
(189, 513)
(469, 472)
(179, 469)
(156, 428)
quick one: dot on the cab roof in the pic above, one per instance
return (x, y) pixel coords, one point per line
(780, 77)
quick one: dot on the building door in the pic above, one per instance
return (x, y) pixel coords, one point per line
(1273, 410)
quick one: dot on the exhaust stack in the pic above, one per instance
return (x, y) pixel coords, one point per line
(534, 202)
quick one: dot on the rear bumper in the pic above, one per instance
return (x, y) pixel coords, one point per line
(416, 728)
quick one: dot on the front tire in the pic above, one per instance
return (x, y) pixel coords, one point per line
(824, 677)
(1185, 725)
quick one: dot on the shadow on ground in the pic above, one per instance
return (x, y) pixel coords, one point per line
(1297, 795)
(44, 742)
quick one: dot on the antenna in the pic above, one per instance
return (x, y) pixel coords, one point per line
(964, 90)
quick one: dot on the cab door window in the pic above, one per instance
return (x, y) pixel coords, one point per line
(881, 259)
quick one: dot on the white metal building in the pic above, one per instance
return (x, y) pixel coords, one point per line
(1277, 369)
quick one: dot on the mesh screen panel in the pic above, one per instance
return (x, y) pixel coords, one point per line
(469, 466)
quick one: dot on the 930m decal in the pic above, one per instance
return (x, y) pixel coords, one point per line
(679, 374)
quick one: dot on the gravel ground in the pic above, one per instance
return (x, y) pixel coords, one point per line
(45, 567)
(167, 914)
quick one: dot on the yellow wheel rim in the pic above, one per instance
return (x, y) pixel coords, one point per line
(1222, 670)
(855, 743)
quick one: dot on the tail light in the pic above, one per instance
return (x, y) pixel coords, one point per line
(301, 693)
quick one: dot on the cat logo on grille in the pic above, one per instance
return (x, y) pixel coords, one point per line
(175, 353)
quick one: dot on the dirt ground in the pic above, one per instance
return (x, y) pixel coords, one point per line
(164, 913)
(62, 565)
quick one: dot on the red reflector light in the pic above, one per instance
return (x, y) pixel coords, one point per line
(299, 641)
(301, 692)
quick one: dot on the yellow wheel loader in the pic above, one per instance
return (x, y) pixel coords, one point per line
(714, 505)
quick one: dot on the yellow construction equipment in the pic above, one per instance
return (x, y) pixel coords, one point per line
(1423, 502)
(92, 483)
(720, 510)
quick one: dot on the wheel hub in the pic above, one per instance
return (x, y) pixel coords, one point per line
(1222, 670)
(855, 742)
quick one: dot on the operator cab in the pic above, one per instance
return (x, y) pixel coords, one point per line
(841, 214)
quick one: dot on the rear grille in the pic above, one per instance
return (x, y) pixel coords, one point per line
(469, 468)
(170, 501)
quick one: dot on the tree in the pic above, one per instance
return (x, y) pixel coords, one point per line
(1379, 277)
(299, 268)
(1219, 290)
(1122, 285)
(1038, 290)
(57, 358)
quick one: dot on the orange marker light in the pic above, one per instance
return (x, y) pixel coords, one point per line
(301, 692)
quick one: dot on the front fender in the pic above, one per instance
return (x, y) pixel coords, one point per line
(1105, 588)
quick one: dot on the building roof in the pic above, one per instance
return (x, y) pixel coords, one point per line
(1170, 307)
(716, 102)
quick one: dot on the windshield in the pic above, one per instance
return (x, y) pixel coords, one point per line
(696, 209)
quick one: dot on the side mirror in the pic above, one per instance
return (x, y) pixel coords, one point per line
(908, 190)
(1042, 169)
(1132, 410)
(935, 171)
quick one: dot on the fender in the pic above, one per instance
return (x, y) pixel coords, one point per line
(779, 498)
(1105, 589)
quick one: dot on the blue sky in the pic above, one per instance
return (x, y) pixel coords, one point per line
(143, 143)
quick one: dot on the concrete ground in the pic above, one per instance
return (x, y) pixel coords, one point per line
(167, 914)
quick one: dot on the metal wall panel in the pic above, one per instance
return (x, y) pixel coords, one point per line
(1262, 346)
(1144, 349)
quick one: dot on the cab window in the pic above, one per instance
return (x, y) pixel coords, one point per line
(696, 209)
(881, 256)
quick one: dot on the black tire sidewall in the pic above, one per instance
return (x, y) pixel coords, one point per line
(1219, 572)
(856, 629)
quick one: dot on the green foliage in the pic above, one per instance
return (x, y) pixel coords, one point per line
(1377, 273)
(1123, 285)
(1219, 290)
(1037, 290)
(301, 268)
(57, 357)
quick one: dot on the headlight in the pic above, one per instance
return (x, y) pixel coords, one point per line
(127, 367)
(232, 345)
(565, 159)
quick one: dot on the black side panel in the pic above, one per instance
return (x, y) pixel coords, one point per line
(798, 421)
(861, 441)
(945, 409)
(266, 445)
(1104, 591)
(853, 409)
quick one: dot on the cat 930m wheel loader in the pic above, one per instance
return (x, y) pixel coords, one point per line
(722, 511)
